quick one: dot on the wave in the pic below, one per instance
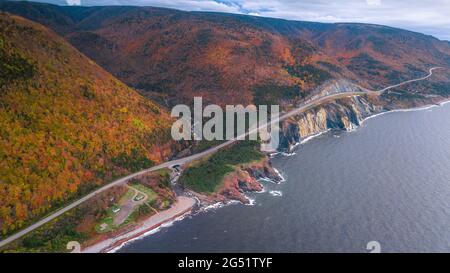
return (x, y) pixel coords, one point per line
(288, 154)
(150, 232)
(314, 136)
(218, 205)
(279, 175)
(266, 179)
(293, 147)
(251, 201)
(276, 193)
(272, 155)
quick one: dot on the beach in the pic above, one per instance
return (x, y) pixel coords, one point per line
(182, 206)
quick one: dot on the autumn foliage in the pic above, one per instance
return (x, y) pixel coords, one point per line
(171, 55)
(66, 125)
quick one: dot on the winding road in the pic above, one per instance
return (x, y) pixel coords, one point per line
(301, 108)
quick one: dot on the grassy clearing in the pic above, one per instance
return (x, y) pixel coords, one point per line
(149, 192)
(130, 194)
(108, 221)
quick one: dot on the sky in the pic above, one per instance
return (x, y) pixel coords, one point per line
(425, 16)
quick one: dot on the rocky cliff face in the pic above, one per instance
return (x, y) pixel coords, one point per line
(344, 114)
(246, 179)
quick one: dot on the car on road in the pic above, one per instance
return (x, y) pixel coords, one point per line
(139, 197)
(115, 209)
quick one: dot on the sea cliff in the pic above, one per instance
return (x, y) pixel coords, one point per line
(344, 114)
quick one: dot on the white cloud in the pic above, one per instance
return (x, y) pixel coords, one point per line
(254, 14)
(191, 5)
(373, 2)
(73, 2)
(427, 16)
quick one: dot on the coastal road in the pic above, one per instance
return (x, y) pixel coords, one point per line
(301, 108)
(430, 73)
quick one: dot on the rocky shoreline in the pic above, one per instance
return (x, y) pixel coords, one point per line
(347, 115)
(246, 178)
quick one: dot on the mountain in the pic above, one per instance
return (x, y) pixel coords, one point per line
(66, 125)
(172, 55)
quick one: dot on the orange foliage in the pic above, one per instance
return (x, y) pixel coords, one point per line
(61, 131)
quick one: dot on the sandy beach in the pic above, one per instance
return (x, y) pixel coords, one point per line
(182, 206)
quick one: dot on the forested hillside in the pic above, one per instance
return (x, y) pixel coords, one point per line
(66, 125)
(173, 55)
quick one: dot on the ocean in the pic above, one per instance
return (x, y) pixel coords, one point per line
(387, 181)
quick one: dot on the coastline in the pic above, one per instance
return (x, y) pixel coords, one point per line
(419, 108)
(184, 205)
(311, 137)
(148, 226)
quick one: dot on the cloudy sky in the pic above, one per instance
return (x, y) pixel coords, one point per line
(426, 16)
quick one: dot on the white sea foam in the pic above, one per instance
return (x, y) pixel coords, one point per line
(276, 193)
(212, 207)
(296, 144)
(280, 175)
(217, 205)
(288, 154)
(267, 180)
(372, 116)
(251, 201)
(272, 155)
(150, 232)
(314, 136)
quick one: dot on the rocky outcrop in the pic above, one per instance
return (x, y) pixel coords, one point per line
(237, 183)
(263, 170)
(244, 179)
(343, 114)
